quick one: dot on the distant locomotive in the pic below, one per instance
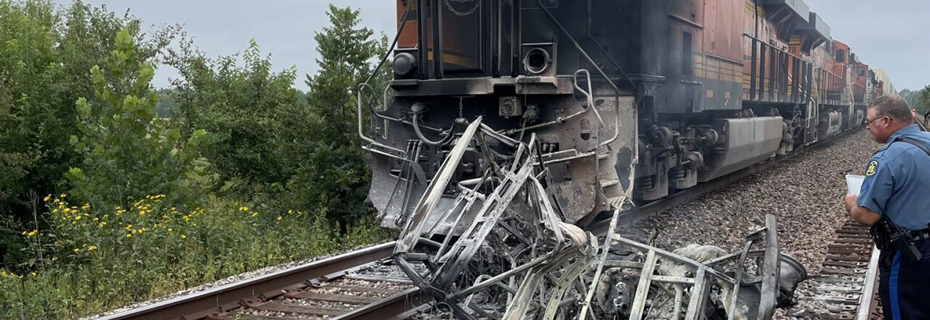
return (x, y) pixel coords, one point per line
(629, 100)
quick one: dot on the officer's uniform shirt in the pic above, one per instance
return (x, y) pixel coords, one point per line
(897, 181)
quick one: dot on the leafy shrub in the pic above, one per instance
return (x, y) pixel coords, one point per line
(127, 152)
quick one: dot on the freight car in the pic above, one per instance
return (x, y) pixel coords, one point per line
(628, 100)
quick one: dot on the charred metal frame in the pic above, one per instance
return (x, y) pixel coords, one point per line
(549, 258)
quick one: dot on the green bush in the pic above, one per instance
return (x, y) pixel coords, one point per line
(241, 109)
(127, 152)
(332, 170)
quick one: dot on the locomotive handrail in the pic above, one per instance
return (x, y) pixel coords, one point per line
(588, 93)
(771, 46)
(362, 86)
(787, 74)
(361, 131)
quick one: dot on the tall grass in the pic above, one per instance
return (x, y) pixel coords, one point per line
(97, 259)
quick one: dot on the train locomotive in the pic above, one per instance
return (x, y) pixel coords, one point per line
(626, 101)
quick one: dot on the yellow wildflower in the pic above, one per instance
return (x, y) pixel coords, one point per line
(76, 218)
(128, 227)
(67, 210)
(96, 219)
(254, 214)
(3, 273)
(279, 218)
(24, 233)
(91, 248)
(32, 233)
(32, 274)
(183, 237)
(63, 196)
(169, 229)
(243, 208)
(129, 235)
(141, 212)
(77, 250)
(46, 198)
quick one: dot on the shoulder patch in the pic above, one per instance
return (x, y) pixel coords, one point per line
(870, 170)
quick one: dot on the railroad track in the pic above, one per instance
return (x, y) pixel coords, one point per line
(848, 284)
(338, 287)
(355, 285)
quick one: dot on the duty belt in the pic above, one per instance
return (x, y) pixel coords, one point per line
(920, 234)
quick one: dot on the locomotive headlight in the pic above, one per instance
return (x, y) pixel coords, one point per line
(536, 60)
(404, 63)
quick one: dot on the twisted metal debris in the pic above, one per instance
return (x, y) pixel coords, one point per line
(508, 254)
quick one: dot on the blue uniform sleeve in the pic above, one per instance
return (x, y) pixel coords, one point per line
(877, 186)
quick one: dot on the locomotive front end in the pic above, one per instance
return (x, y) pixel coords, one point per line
(517, 68)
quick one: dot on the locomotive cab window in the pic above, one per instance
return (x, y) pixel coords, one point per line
(687, 60)
(841, 55)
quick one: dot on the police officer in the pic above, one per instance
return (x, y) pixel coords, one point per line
(896, 192)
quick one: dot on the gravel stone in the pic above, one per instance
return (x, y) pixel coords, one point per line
(805, 193)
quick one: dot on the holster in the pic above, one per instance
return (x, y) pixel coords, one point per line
(880, 235)
(889, 236)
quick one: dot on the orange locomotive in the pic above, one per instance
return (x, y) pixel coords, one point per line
(629, 100)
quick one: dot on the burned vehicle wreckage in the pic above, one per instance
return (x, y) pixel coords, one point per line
(512, 255)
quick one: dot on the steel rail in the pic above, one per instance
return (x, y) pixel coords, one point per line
(201, 304)
(869, 290)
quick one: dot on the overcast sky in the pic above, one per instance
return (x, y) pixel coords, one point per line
(885, 34)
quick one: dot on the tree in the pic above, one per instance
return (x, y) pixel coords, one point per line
(30, 123)
(127, 152)
(45, 56)
(334, 174)
(242, 109)
(922, 100)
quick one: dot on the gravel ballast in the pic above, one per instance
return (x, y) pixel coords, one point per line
(805, 193)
